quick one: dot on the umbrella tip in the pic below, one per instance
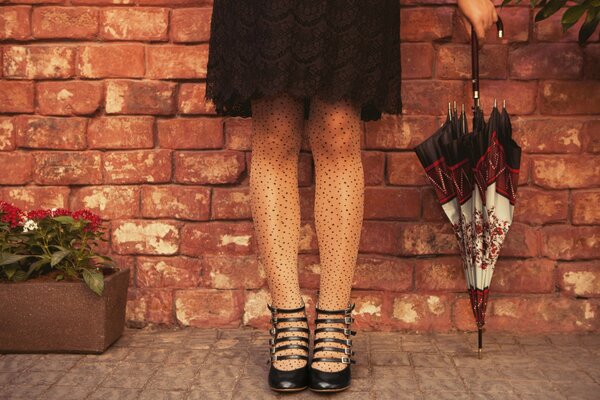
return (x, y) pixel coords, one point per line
(479, 353)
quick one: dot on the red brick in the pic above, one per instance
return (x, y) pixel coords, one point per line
(427, 238)
(392, 203)
(535, 206)
(32, 197)
(404, 168)
(208, 307)
(176, 61)
(591, 60)
(565, 242)
(381, 237)
(134, 23)
(432, 209)
(521, 241)
(416, 60)
(110, 60)
(307, 203)
(68, 98)
(532, 134)
(145, 237)
(173, 201)
(431, 96)
(190, 133)
(440, 274)
(421, 312)
(67, 168)
(191, 24)
(569, 97)
(550, 30)
(231, 203)
(64, 22)
(368, 310)
(585, 207)
(175, 3)
(150, 306)
(454, 61)
(140, 97)
(523, 276)
(235, 272)
(130, 132)
(546, 60)
(16, 96)
(378, 273)
(373, 167)
(217, 238)
(137, 166)
(39, 61)
(520, 96)
(591, 136)
(50, 132)
(526, 315)
(558, 172)
(15, 23)
(192, 101)
(238, 133)
(208, 167)
(7, 133)
(110, 202)
(168, 272)
(426, 24)
(580, 278)
(404, 133)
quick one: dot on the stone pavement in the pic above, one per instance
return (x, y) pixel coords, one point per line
(199, 364)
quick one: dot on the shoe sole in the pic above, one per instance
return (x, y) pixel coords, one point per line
(329, 390)
(288, 390)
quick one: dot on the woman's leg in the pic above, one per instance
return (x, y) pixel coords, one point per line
(334, 131)
(277, 124)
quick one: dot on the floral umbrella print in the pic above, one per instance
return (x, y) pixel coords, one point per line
(475, 176)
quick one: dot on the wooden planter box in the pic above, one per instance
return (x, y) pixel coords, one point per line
(65, 317)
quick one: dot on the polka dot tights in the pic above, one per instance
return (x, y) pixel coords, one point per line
(333, 130)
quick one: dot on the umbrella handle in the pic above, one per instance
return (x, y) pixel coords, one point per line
(475, 60)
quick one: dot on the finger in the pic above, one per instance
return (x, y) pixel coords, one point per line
(494, 15)
(480, 33)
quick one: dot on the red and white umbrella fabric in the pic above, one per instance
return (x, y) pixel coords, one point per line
(475, 176)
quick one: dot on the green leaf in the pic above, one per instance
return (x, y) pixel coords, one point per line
(572, 15)
(549, 9)
(64, 219)
(7, 258)
(95, 280)
(10, 270)
(20, 275)
(60, 277)
(58, 256)
(590, 24)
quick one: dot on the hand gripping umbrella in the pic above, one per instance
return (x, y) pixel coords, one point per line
(475, 176)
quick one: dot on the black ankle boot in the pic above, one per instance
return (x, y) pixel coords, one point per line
(323, 381)
(293, 380)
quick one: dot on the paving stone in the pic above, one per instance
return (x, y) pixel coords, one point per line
(128, 374)
(227, 364)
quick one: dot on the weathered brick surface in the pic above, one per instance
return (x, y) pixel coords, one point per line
(102, 107)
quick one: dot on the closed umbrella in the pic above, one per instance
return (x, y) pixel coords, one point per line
(475, 175)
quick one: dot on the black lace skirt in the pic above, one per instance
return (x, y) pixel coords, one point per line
(335, 48)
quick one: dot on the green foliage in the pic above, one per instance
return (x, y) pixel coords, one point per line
(38, 242)
(589, 8)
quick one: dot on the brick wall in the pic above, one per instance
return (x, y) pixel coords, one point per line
(102, 107)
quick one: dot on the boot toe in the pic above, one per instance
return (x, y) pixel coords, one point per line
(329, 381)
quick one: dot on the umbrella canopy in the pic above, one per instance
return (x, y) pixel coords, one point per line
(475, 176)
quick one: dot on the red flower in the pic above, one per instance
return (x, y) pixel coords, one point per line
(10, 214)
(60, 212)
(93, 220)
(37, 214)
